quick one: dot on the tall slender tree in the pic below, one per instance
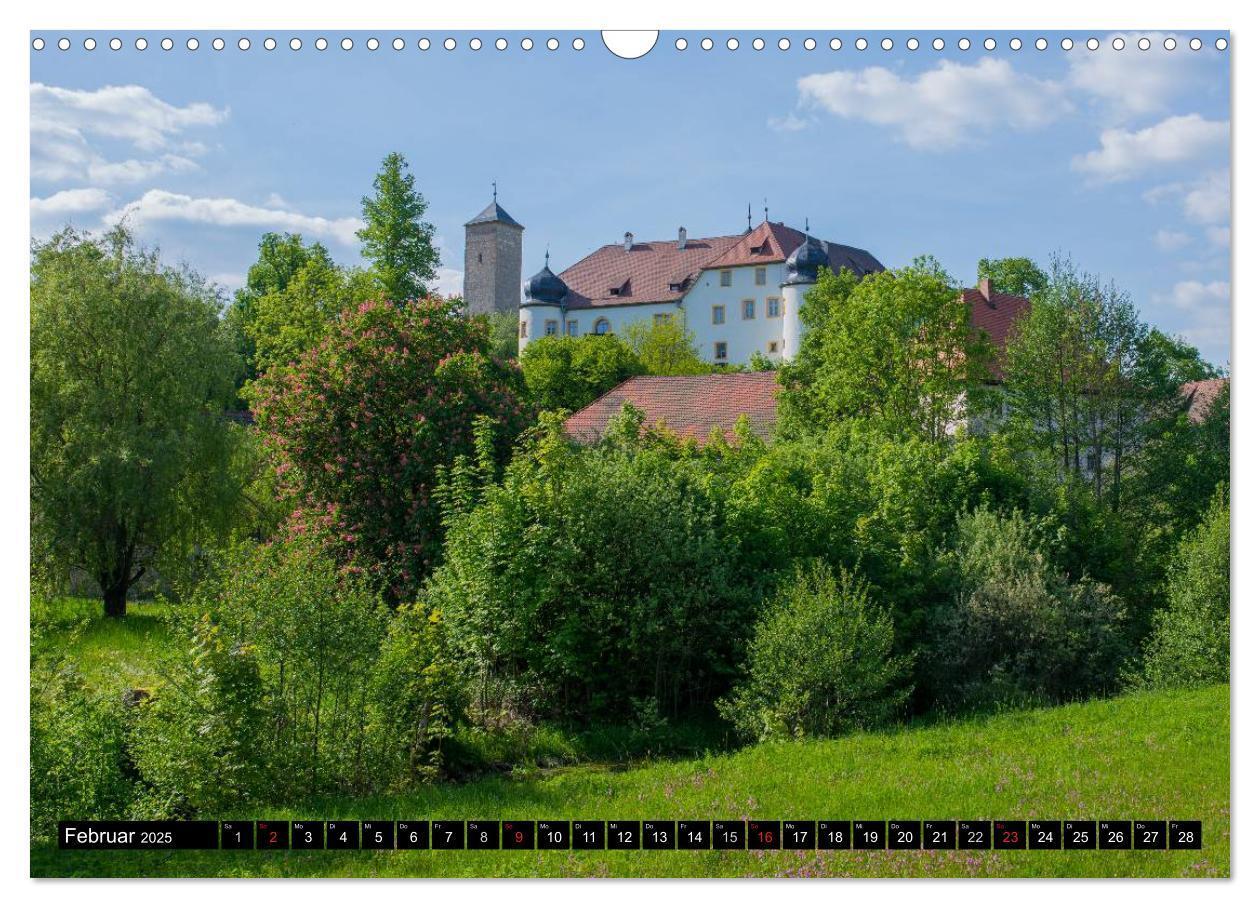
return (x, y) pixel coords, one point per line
(396, 239)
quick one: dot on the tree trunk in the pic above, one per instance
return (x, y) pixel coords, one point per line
(116, 601)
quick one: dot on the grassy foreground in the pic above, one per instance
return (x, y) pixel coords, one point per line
(1144, 756)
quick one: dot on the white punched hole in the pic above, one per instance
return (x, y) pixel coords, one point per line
(449, 44)
(38, 44)
(732, 44)
(809, 44)
(475, 44)
(347, 44)
(141, 43)
(706, 44)
(630, 44)
(1144, 43)
(785, 44)
(1041, 43)
(860, 44)
(192, 44)
(321, 44)
(886, 44)
(990, 44)
(912, 44)
(1170, 44)
(398, 44)
(1117, 43)
(1066, 44)
(680, 44)
(835, 44)
(500, 44)
(579, 43)
(90, 43)
(1221, 44)
(527, 44)
(1092, 44)
(425, 43)
(759, 44)
(373, 44)
(167, 44)
(269, 43)
(64, 44)
(553, 44)
(1196, 44)
(1016, 44)
(295, 44)
(964, 44)
(116, 43)
(938, 44)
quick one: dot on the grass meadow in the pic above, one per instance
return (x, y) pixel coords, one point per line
(1158, 755)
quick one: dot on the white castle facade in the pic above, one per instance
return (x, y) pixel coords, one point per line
(737, 294)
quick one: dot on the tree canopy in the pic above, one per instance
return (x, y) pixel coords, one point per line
(396, 239)
(130, 373)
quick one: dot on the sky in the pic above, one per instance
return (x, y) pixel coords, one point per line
(1119, 159)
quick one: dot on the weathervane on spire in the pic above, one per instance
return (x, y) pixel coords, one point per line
(765, 209)
(547, 256)
(807, 225)
(494, 186)
(750, 216)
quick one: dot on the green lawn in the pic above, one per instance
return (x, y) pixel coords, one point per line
(111, 654)
(1146, 756)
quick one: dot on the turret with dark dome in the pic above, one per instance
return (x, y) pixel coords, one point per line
(802, 265)
(545, 288)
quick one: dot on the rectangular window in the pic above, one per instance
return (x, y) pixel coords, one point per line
(772, 307)
(726, 279)
(719, 315)
(524, 328)
(719, 351)
(749, 309)
(570, 327)
(772, 347)
(660, 318)
(759, 277)
(551, 327)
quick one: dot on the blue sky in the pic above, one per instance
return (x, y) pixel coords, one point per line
(1119, 158)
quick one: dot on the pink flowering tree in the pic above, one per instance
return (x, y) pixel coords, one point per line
(359, 425)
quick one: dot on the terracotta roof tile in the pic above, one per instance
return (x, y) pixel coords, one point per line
(994, 315)
(660, 272)
(1200, 395)
(690, 405)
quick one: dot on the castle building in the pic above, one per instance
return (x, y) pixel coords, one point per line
(737, 294)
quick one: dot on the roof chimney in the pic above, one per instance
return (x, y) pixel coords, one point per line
(629, 240)
(985, 286)
(682, 237)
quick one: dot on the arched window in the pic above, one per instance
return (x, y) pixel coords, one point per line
(602, 326)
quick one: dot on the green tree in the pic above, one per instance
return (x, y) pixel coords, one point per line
(570, 372)
(896, 348)
(290, 320)
(666, 347)
(821, 661)
(280, 257)
(130, 373)
(1016, 276)
(396, 238)
(1190, 641)
(1078, 384)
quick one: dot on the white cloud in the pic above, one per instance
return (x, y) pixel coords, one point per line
(160, 205)
(1170, 240)
(1125, 154)
(1132, 81)
(449, 282)
(1218, 236)
(69, 202)
(1205, 201)
(68, 124)
(1206, 307)
(790, 123)
(942, 107)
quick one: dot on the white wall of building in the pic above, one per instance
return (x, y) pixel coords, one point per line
(742, 336)
(762, 332)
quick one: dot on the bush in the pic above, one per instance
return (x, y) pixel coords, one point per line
(271, 700)
(1190, 641)
(360, 424)
(570, 372)
(589, 577)
(820, 663)
(79, 763)
(1015, 629)
(417, 694)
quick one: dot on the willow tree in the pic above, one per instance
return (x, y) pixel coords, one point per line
(130, 371)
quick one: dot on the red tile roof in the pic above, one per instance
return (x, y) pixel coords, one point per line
(1200, 395)
(994, 313)
(690, 405)
(660, 272)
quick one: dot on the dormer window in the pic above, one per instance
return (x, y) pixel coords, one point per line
(620, 290)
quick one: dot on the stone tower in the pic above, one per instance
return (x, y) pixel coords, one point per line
(492, 261)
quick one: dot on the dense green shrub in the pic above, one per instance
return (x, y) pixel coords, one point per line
(1016, 629)
(589, 577)
(1190, 641)
(568, 373)
(203, 743)
(281, 654)
(79, 764)
(417, 694)
(821, 661)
